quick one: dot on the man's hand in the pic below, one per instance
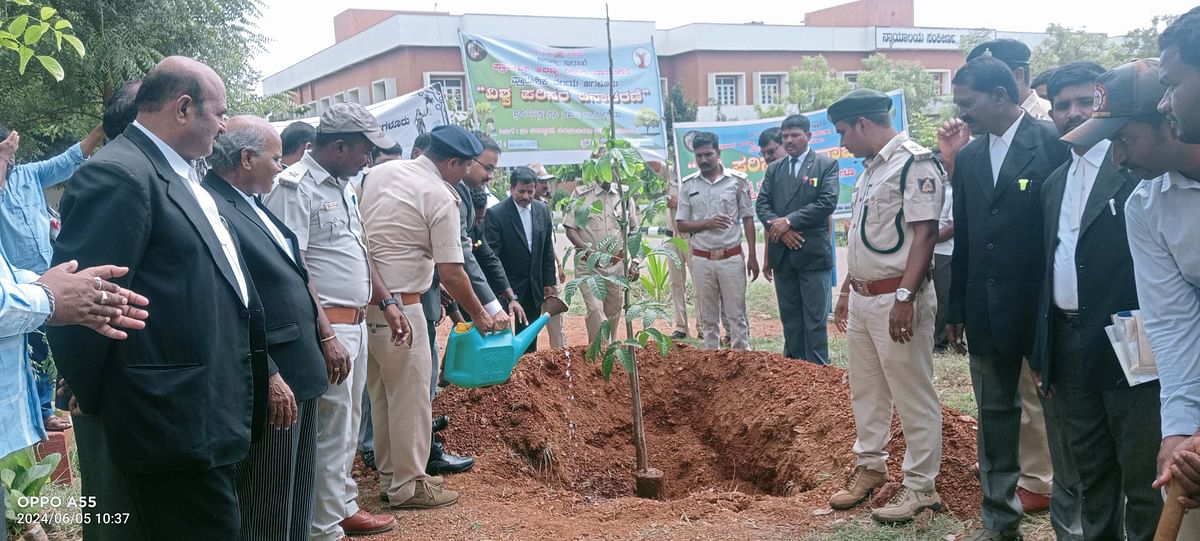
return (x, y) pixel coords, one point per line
(486, 324)
(841, 312)
(794, 240)
(672, 202)
(768, 272)
(337, 359)
(562, 275)
(441, 315)
(517, 312)
(65, 390)
(1166, 451)
(1185, 470)
(954, 335)
(752, 268)
(398, 323)
(550, 291)
(900, 321)
(635, 271)
(281, 403)
(779, 226)
(719, 221)
(1037, 380)
(8, 147)
(952, 136)
(87, 298)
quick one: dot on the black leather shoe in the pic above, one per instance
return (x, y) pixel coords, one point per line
(678, 335)
(441, 462)
(440, 423)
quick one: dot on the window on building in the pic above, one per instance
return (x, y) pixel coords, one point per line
(852, 78)
(325, 103)
(352, 96)
(727, 89)
(340, 97)
(770, 89)
(452, 90)
(383, 89)
(941, 82)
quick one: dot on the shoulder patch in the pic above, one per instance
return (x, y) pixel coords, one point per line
(690, 177)
(919, 152)
(291, 176)
(736, 173)
(927, 184)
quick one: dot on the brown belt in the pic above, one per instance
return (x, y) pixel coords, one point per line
(410, 298)
(345, 315)
(719, 253)
(868, 288)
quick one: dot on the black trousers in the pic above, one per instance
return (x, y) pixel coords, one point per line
(104, 484)
(187, 505)
(803, 297)
(941, 286)
(532, 311)
(1113, 435)
(276, 482)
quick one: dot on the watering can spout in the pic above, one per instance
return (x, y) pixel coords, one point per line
(550, 306)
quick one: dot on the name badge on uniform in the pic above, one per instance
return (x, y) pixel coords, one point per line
(330, 205)
(927, 185)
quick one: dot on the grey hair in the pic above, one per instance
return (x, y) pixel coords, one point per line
(227, 150)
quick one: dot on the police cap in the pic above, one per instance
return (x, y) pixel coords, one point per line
(1010, 51)
(354, 118)
(453, 141)
(862, 101)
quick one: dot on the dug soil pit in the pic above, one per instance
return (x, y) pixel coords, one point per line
(742, 439)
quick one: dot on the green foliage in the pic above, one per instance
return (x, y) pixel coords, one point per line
(812, 85)
(681, 109)
(655, 280)
(1143, 42)
(973, 39)
(770, 111)
(1064, 44)
(22, 27)
(923, 129)
(125, 38)
(24, 477)
(884, 74)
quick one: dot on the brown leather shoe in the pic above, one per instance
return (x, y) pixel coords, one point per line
(1032, 502)
(858, 488)
(363, 523)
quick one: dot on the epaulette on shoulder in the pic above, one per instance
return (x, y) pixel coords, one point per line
(695, 174)
(919, 152)
(736, 173)
(292, 175)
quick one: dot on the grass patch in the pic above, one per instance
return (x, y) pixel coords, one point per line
(862, 528)
(760, 299)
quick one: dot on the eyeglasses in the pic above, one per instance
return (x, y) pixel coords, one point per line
(489, 169)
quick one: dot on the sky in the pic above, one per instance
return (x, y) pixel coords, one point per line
(299, 28)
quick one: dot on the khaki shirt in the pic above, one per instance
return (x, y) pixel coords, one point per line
(323, 213)
(601, 224)
(877, 193)
(412, 222)
(702, 199)
(1037, 107)
(672, 191)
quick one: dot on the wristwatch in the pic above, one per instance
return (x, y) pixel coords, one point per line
(390, 301)
(904, 295)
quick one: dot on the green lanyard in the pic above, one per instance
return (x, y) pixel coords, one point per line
(862, 227)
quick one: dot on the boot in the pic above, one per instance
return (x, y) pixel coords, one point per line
(440, 423)
(429, 496)
(858, 488)
(442, 462)
(905, 505)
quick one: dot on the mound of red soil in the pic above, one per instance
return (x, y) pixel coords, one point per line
(754, 423)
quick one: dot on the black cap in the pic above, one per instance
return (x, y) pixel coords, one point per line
(1009, 51)
(862, 101)
(1126, 91)
(453, 141)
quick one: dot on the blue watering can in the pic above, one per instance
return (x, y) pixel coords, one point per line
(477, 360)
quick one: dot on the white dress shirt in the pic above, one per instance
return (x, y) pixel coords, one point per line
(527, 223)
(281, 240)
(796, 162)
(1081, 177)
(207, 205)
(999, 147)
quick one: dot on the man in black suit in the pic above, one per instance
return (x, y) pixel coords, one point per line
(1111, 430)
(180, 399)
(997, 275)
(519, 232)
(798, 195)
(275, 482)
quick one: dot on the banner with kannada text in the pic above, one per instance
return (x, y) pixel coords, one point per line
(550, 105)
(403, 117)
(740, 151)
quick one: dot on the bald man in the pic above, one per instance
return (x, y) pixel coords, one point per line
(179, 400)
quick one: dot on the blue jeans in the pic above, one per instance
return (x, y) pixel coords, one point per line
(39, 351)
(366, 434)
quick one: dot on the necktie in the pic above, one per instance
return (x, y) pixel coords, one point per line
(795, 166)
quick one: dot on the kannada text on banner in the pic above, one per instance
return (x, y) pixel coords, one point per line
(550, 104)
(740, 151)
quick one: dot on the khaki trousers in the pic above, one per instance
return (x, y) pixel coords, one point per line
(558, 338)
(398, 384)
(1037, 474)
(599, 311)
(339, 411)
(883, 373)
(678, 275)
(720, 288)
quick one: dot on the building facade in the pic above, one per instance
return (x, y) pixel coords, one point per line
(381, 54)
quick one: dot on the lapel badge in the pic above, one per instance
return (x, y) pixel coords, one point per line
(927, 185)
(1024, 183)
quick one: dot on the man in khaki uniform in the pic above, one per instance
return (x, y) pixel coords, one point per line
(1037, 472)
(712, 201)
(888, 317)
(587, 237)
(677, 273)
(410, 212)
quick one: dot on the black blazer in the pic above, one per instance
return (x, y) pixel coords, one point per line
(528, 271)
(998, 266)
(186, 392)
(807, 208)
(293, 343)
(1104, 272)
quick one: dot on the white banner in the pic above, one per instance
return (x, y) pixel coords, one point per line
(403, 117)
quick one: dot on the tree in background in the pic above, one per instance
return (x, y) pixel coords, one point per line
(1143, 42)
(125, 38)
(813, 85)
(23, 25)
(1064, 44)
